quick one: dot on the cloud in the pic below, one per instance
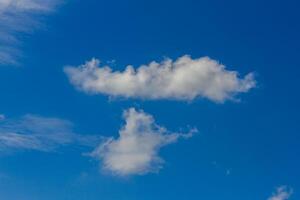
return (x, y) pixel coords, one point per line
(282, 193)
(19, 16)
(2, 117)
(184, 79)
(135, 151)
(32, 132)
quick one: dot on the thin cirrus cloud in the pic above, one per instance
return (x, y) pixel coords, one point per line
(136, 150)
(183, 79)
(19, 16)
(2, 117)
(32, 132)
(282, 193)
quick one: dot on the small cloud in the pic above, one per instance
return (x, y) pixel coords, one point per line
(111, 62)
(219, 167)
(2, 117)
(228, 172)
(184, 79)
(282, 193)
(33, 132)
(136, 150)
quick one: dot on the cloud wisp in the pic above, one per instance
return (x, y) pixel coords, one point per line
(136, 150)
(282, 193)
(19, 16)
(2, 117)
(32, 132)
(184, 79)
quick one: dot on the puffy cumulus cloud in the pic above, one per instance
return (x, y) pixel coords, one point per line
(183, 79)
(135, 151)
(282, 193)
(19, 16)
(32, 132)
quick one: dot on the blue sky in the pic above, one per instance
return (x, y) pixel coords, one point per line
(208, 110)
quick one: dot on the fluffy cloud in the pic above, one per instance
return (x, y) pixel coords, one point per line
(183, 79)
(282, 193)
(136, 149)
(19, 16)
(32, 132)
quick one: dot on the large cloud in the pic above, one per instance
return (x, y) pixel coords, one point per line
(183, 79)
(136, 150)
(282, 193)
(19, 16)
(32, 132)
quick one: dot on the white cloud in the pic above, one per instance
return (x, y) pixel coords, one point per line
(282, 193)
(136, 149)
(19, 16)
(183, 79)
(26, 5)
(32, 132)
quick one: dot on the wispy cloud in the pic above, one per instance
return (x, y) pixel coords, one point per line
(2, 117)
(19, 16)
(32, 132)
(282, 193)
(136, 149)
(184, 79)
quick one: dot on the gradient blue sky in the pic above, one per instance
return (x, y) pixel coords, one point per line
(243, 150)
